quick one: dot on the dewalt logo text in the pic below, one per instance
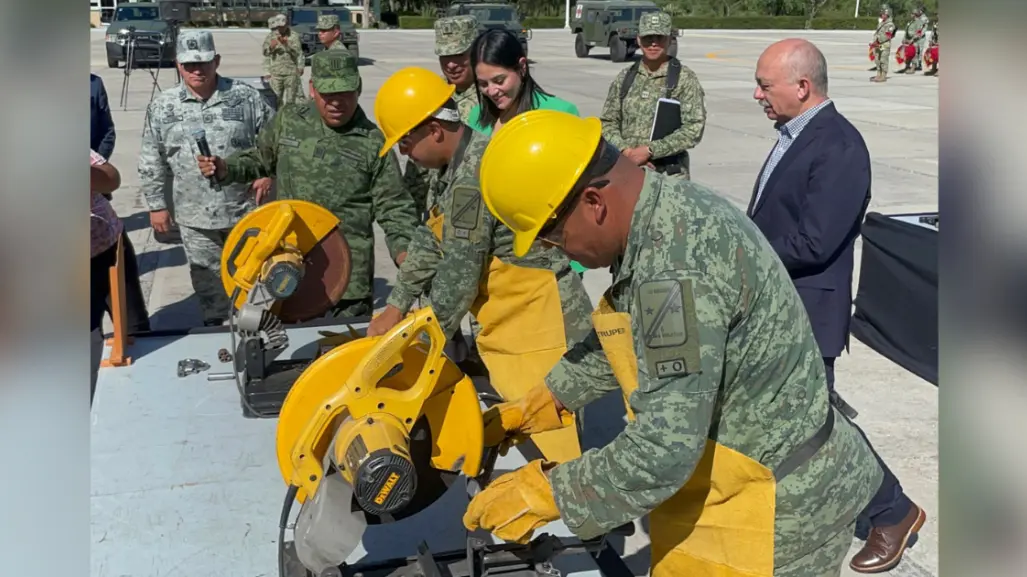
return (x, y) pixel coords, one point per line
(387, 488)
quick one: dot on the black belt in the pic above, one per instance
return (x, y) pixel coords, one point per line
(670, 165)
(670, 169)
(807, 449)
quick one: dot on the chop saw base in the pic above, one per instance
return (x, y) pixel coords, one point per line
(480, 559)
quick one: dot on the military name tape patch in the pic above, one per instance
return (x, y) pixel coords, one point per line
(233, 113)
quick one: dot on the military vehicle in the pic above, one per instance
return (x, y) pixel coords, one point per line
(303, 19)
(492, 14)
(154, 43)
(612, 24)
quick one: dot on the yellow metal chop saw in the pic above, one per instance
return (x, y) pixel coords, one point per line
(285, 262)
(374, 431)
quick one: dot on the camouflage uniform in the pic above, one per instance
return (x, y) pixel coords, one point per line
(882, 45)
(748, 375)
(921, 42)
(284, 63)
(338, 169)
(914, 35)
(453, 35)
(232, 117)
(628, 123)
(327, 22)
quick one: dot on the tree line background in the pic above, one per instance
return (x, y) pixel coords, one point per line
(701, 13)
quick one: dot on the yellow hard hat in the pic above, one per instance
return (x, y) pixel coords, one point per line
(530, 166)
(406, 98)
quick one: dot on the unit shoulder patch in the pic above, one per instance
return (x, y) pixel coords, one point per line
(670, 332)
(465, 216)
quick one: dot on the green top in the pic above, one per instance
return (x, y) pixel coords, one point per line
(542, 102)
(725, 352)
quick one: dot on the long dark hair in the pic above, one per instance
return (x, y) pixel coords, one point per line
(500, 47)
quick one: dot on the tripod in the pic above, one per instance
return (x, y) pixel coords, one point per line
(170, 39)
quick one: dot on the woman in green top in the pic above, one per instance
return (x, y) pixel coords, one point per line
(505, 86)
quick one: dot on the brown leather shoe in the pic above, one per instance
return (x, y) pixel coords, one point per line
(885, 545)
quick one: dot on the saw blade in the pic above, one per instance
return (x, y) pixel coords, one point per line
(324, 535)
(325, 278)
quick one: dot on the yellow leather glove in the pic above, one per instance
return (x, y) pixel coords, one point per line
(514, 505)
(515, 420)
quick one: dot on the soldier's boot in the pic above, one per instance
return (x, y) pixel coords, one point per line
(881, 77)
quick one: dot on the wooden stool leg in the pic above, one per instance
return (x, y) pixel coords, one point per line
(119, 312)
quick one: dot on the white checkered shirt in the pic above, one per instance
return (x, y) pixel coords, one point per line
(787, 133)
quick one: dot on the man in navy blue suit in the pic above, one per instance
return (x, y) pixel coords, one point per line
(101, 139)
(809, 201)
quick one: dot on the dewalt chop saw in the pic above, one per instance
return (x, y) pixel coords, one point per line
(286, 262)
(374, 431)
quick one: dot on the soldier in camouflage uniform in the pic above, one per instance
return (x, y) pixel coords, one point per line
(921, 40)
(732, 447)
(915, 31)
(628, 117)
(531, 307)
(328, 32)
(453, 38)
(231, 114)
(934, 42)
(882, 44)
(283, 61)
(325, 151)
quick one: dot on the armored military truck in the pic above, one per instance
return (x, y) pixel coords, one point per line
(492, 14)
(153, 36)
(612, 24)
(303, 19)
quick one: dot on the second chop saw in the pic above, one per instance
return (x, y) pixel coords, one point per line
(286, 262)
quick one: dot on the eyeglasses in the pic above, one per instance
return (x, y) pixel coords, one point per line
(552, 232)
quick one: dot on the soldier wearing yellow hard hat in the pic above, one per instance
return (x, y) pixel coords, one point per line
(732, 447)
(530, 307)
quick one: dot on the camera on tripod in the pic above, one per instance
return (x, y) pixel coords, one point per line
(155, 46)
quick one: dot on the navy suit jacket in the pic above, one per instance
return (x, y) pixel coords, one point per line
(101, 123)
(811, 211)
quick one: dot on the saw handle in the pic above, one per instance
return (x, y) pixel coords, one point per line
(266, 244)
(388, 352)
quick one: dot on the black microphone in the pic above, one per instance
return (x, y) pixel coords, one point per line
(201, 142)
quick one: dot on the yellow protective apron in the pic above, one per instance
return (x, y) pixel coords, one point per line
(721, 522)
(522, 337)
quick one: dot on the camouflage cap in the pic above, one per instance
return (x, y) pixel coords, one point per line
(334, 71)
(327, 21)
(195, 46)
(454, 35)
(276, 21)
(655, 24)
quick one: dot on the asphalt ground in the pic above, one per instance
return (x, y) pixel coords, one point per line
(898, 120)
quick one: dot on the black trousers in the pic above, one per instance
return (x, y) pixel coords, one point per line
(890, 504)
